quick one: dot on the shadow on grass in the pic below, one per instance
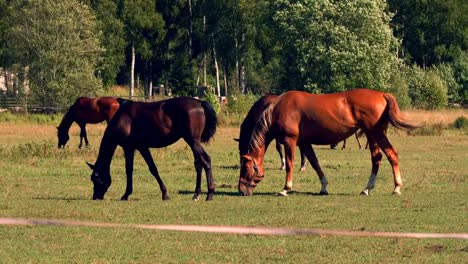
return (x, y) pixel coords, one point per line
(69, 199)
(292, 193)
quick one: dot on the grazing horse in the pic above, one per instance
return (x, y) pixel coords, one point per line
(140, 126)
(248, 126)
(86, 110)
(301, 119)
(357, 134)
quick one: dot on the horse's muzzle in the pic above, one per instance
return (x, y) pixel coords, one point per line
(245, 190)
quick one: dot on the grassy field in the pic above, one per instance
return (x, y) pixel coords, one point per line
(39, 181)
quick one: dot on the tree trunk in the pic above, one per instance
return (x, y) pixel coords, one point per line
(132, 73)
(190, 35)
(218, 89)
(225, 73)
(242, 74)
(204, 54)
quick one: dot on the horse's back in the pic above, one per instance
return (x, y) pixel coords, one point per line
(328, 118)
(161, 123)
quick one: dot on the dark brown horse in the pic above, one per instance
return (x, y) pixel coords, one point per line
(86, 110)
(248, 126)
(301, 119)
(140, 126)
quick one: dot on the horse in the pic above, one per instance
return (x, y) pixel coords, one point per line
(248, 126)
(301, 119)
(357, 134)
(86, 110)
(141, 126)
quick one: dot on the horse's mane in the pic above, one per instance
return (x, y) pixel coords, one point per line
(258, 137)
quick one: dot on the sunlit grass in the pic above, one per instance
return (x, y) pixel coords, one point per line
(38, 180)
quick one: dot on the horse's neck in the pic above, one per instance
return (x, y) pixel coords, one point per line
(67, 120)
(106, 152)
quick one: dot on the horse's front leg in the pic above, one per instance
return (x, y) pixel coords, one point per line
(129, 157)
(289, 151)
(145, 152)
(309, 152)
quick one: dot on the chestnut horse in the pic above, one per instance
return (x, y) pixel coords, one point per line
(301, 119)
(140, 126)
(248, 126)
(86, 110)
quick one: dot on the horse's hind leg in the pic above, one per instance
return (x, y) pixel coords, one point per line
(309, 152)
(280, 152)
(129, 157)
(202, 160)
(392, 156)
(303, 160)
(154, 171)
(83, 135)
(376, 158)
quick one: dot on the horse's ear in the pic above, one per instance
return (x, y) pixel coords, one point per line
(236, 139)
(57, 128)
(90, 165)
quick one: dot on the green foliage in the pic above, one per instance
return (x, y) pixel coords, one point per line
(211, 97)
(337, 45)
(447, 76)
(240, 103)
(426, 89)
(112, 40)
(461, 122)
(58, 42)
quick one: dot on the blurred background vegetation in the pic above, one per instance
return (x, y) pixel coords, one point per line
(233, 51)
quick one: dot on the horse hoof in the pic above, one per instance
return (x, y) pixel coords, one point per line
(165, 197)
(323, 193)
(283, 193)
(302, 169)
(397, 193)
(124, 199)
(365, 193)
(209, 198)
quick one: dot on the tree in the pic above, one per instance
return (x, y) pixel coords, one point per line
(112, 40)
(57, 42)
(145, 30)
(335, 45)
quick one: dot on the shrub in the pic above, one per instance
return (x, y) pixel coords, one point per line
(211, 98)
(426, 89)
(461, 122)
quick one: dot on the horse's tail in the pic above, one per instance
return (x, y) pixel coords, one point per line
(394, 114)
(210, 123)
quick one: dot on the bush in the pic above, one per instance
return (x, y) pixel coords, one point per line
(461, 122)
(426, 89)
(211, 98)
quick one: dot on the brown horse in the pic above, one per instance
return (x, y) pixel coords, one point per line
(248, 126)
(86, 110)
(301, 119)
(140, 126)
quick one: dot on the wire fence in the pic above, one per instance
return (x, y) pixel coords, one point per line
(19, 105)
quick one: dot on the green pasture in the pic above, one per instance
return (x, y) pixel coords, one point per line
(37, 180)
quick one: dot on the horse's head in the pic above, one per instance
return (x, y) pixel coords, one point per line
(251, 174)
(101, 181)
(62, 137)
